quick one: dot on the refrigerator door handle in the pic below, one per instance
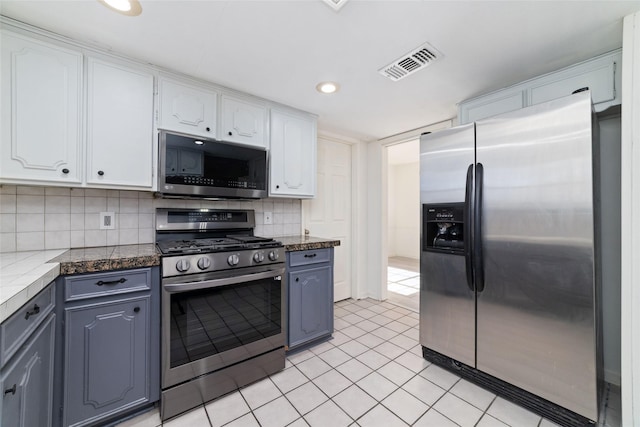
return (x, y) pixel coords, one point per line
(468, 214)
(478, 262)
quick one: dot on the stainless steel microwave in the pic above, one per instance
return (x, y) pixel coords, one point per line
(201, 167)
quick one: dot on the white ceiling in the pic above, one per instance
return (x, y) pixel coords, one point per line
(280, 50)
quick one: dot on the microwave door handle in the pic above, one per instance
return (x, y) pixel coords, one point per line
(207, 284)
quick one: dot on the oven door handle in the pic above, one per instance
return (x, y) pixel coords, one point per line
(207, 284)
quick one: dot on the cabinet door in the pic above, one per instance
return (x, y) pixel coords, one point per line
(492, 105)
(243, 122)
(293, 156)
(27, 383)
(597, 76)
(119, 125)
(41, 93)
(107, 352)
(188, 109)
(310, 304)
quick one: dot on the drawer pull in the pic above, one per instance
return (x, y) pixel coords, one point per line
(310, 255)
(36, 310)
(11, 390)
(582, 89)
(111, 282)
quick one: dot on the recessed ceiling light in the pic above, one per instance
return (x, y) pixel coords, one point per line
(126, 7)
(327, 87)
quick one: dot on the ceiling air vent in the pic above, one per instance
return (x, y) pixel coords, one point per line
(335, 4)
(413, 61)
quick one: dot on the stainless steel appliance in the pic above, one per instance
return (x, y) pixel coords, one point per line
(200, 167)
(509, 296)
(223, 308)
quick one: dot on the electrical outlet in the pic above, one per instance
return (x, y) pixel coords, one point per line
(107, 221)
(268, 218)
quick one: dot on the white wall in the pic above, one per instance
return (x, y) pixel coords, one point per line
(35, 218)
(404, 210)
(630, 182)
(610, 244)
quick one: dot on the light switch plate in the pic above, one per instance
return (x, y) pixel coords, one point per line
(107, 221)
(268, 218)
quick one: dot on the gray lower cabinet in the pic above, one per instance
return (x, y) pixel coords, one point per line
(27, 380)
(310, 296)
(111, 345)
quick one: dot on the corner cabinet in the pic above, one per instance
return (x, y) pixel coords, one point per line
(111, 345)
(119, 125)
(27, 341)
(243, 122)
(600, 75)
(310, 296)
(41, 86)
(187, 108)
(293, 155)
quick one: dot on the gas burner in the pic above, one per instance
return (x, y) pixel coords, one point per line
(206, 245)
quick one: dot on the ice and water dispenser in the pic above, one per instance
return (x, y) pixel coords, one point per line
(443, 228)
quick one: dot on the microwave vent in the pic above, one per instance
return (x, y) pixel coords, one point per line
(416, 60)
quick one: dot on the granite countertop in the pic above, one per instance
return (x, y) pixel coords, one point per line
(93, 260)
(303, 243)
(24, 274)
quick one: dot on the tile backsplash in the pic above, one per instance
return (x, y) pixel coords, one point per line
(35, 218)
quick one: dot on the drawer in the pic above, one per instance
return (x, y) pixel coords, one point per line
(314, 256)
(16, 329)
(102, 284)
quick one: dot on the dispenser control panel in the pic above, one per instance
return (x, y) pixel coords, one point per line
(443, 228)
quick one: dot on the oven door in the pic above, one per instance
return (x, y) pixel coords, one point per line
(215, 320)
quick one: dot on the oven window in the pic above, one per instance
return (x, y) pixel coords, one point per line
(211, 321)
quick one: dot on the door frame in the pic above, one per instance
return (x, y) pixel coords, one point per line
(377, 252)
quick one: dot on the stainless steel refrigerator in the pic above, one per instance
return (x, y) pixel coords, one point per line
(509, 293)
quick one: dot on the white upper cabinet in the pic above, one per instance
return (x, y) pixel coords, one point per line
(600, 75)
(119, 125)
(243, 122)
(41, 87)
(293, 155)
(187, 108)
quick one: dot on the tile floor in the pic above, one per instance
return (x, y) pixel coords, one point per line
(403, 282)
(370, 374)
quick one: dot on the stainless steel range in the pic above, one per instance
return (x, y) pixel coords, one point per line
(223, 308)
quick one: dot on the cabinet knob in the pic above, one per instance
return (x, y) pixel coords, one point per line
(35, 310)
(100, 173)
(297, 279)
(208, 129)
(65, 170)
(230, 133)
(277, 186)
(11, 390)
(136, 310)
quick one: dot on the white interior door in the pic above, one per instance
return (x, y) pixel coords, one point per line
(328, 215)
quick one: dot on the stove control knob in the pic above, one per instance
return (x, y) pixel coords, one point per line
(258, 257)
(182, 265)
(233, 260)
(273, 255)
(204, 263)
